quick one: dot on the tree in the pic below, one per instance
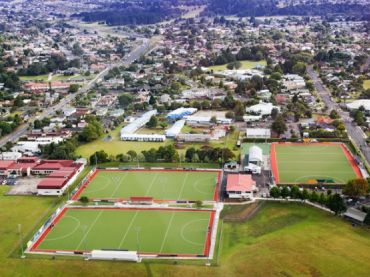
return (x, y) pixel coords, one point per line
(125, 99)
(367, 218)
(285, 192)
(73, 88)
(99, 157)
(213, 120)
(84, 199)
(336, 204)
(77, 50)
(356, 188)
(274, 113)
(132, 154)
(333, 114)
(278, 126)
(275, 192)
(152, 100)
(294, 192)
(299, 68)
(163, 125)
(153, 122)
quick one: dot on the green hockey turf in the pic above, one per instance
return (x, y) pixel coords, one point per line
(301, 163)
(145, 231)
(163, 185)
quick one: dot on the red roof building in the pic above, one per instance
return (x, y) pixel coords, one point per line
(240, 186)
(52, 183)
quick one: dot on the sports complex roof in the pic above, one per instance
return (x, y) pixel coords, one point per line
(240, 182)
(52, 183)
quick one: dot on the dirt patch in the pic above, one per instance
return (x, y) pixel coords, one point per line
(243, 214)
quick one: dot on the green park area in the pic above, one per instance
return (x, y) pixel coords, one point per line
(366, 84)
(161, 231)
(244, 65)
(57, 77)
(163, 185)
(112, 144)
(292, 239)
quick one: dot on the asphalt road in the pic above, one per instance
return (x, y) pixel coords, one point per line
(353, 131)
(22, 130)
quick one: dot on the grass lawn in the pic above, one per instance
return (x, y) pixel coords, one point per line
(245, 65)
(116, 146)
(298, 163)
(176, 185)
(366, 84)
(281, 240)
(42, 78)
(161, 231)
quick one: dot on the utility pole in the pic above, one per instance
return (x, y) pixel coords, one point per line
(21, 240)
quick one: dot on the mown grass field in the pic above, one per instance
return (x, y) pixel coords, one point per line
(301, 163)
(245, 65)
(366, 84)
(160, 231)
(281, 240)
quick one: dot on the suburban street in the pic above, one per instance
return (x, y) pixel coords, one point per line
(354, 131)
(135, 54)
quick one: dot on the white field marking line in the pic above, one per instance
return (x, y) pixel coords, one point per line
(183, 185)
(70, 233)
(88, 231)
(186, 226)
(196, 183)
(102, 188)
(166, 234)
(151, 184)
(128, 229)
(119, 180)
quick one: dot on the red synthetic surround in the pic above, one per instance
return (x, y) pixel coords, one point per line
(274, 166)
(82, 188)
(207, 246)
(215, 196)
(45, 232)
(352, 161)
(140, 199)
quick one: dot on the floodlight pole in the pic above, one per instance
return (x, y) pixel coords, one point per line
(21, 240)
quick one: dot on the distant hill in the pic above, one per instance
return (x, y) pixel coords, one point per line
(287, 7)
(126, 13)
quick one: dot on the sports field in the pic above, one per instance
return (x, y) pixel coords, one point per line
(294, 163)
(183, 232)
(159, 184)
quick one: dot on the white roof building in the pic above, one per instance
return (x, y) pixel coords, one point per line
(175, 129)
(255, 155)
(258, 133)
(262, 108)
(355, 105)
(137, 123)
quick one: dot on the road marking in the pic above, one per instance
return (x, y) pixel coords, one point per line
(166, 234)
